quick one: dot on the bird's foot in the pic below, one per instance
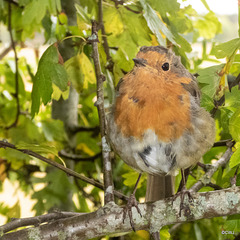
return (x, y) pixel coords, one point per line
(132, 202)
(183, 206)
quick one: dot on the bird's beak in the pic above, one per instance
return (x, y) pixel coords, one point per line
(140, 62)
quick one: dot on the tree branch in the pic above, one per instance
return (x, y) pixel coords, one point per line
(206, 178)
(108, 220)
(5, 52)
(36, 221)
(16, 65)
(4, 144)
(77, 157)
(222, 143)
(107, 168)
(84, 129)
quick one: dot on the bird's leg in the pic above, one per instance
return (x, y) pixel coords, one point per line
(182, 191)
(132, 202)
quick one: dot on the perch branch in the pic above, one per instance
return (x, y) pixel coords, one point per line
(108, 220)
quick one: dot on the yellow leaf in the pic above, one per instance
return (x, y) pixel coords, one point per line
(85, 148)
(57, 93)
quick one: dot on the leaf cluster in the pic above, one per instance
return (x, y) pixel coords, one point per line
(128, 26)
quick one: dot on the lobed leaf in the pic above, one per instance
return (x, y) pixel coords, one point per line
(49, 71)
(226, 49)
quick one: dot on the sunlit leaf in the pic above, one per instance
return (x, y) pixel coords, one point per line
(235, 159)
(208, 26)
(232, 99)
(39, 148)
(112, 21)
(226, 49)
(80, 71)
(234, 125)
(34, 11)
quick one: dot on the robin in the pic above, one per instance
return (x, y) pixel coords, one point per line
(156, 123)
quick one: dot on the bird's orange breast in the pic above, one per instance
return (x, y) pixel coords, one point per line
(147, 100)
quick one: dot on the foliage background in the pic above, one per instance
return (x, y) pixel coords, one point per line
(128, 26)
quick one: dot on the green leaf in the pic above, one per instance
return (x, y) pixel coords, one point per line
(34, 12)
(210, 77)
(80, 71)
(53, 130)
(44, 148)
(131, 178)
(55, 192)
(156, 25)
(234, 125)
(232, 223)
(49, 71)
(232, 99)
(207, 102)
(226, 49)
(164, 7)
(112, 22)
(235, 159)
(14, 211)
(164, 233)
(136, 26)
(82, 13)
(208, 26)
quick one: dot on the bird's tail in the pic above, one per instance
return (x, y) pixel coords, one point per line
(159, 187)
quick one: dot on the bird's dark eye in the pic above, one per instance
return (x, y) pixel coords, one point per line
(165, 66)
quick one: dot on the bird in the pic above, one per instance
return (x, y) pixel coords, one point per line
(156, 123)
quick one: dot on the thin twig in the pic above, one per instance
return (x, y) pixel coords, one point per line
(4, 144)
(16, 66)
(77, 129)
(104, 36)
(107, 168)
(117, 2)
(206, 178)
(214, 186)
(131, 10)
(5, 52)
(222, 143)
(77, 157)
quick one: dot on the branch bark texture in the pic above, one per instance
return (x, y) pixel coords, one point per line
(107, 168)
(108, 220)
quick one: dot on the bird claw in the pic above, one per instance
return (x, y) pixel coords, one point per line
(132, 202)
(182, 195)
